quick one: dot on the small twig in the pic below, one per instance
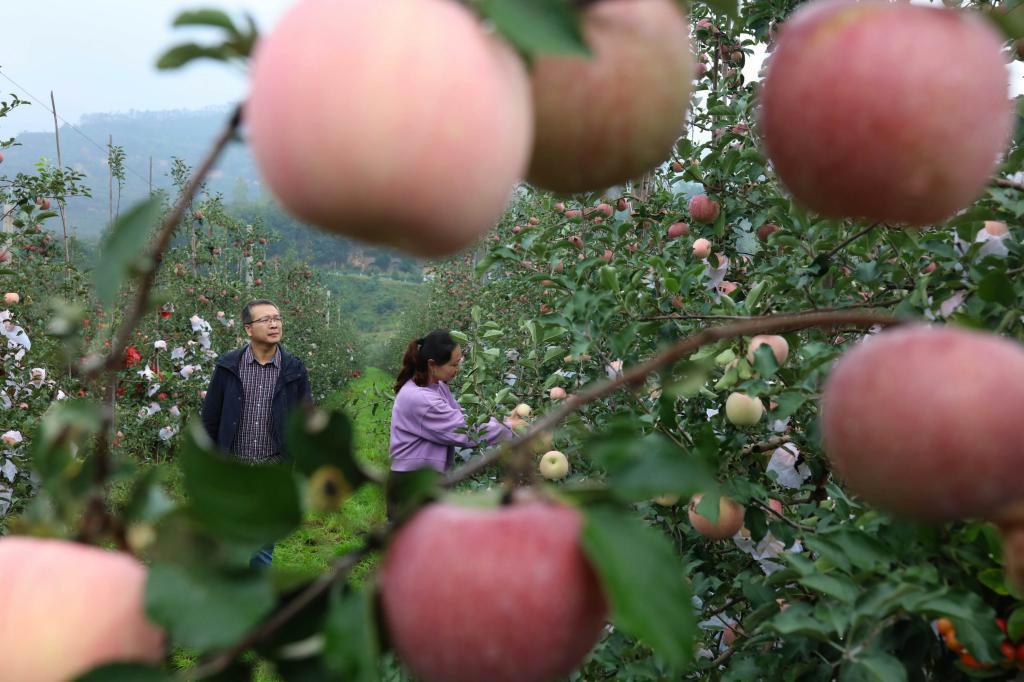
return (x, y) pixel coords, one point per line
(170, 224)
(782, 517)
(828, 256)
(765, 445)
(727, 605)
(638, 373)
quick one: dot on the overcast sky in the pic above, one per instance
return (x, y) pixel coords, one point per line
(98, 56)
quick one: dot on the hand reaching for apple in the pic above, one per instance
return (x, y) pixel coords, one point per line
(516, 419)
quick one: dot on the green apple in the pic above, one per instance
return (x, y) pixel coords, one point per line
(554, 465)
(742, 410)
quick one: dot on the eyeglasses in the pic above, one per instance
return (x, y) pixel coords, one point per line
(268, 319)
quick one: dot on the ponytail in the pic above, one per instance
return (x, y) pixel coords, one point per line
(438, 346)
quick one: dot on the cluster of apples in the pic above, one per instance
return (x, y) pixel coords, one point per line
(438, 118)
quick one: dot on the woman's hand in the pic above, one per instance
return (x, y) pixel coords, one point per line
(516, 423)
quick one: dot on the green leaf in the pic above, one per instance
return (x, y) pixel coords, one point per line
(876, 666)
(414, 489)
(538, 26)
(205, 610)
(642, 577)
(1015, 624)
(66, 423)
(236, 501)
(642, 468)
(319, 438)
(180, 55)
(992, 578)
(788, 402)
(764, 361)
(1009, 19)
(834, 586)
(207, 17)
(996, 287)
(797, 620)
(125, 672)
(123, 246)
(351, 645)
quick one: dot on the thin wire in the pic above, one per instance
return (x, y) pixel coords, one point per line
(102, 148)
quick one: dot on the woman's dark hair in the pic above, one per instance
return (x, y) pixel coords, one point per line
(438, 346)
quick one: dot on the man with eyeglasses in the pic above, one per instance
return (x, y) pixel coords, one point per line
(252, 390)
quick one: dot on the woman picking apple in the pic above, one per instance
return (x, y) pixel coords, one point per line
(426, 420)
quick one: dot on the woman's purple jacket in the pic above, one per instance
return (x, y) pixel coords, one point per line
(425, 428)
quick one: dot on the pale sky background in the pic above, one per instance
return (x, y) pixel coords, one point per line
(98, 56)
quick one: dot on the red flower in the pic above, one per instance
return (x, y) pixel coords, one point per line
(165, 314)
(161, 396)
(120, 390)
(131, 356)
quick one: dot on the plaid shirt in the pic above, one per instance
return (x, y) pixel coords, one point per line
(253, 441)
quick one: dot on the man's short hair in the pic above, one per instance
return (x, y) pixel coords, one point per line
(247, 308)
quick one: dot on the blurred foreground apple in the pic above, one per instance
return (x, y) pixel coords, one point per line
(499, 594)
(66, 608)
(925, 422)
(360, 160)
(608, 118)
(857, 125)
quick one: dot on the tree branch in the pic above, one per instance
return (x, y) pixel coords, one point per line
(638, 373)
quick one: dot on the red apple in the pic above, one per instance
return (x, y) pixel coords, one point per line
(557, 393)
(905, 136)
(925, 422)
(69, 607)
(491, 594)
(778, 344)
(304, 140)
(703, 209)
(730, 519)
(767, 230)
(678, 230)
(608, 118)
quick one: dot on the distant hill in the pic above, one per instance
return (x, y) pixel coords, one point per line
(186, 135)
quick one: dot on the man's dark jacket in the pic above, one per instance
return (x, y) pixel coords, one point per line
(222, 408)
